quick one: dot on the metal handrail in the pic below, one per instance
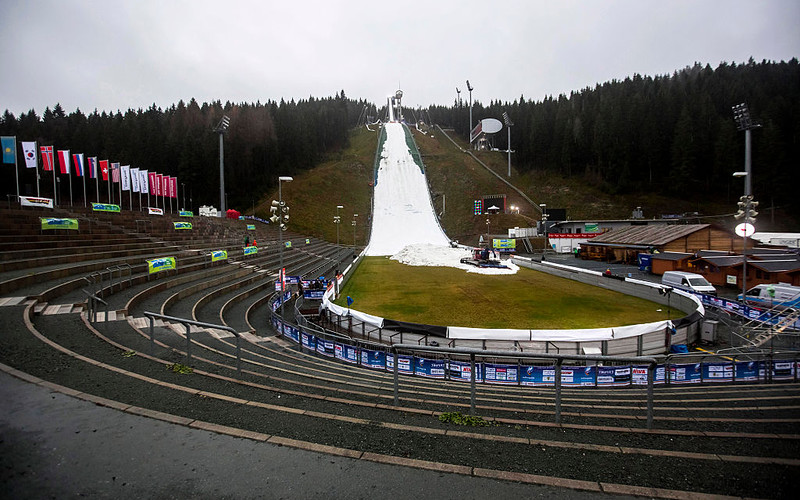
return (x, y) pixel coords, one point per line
(91, 301)
(187, 323)
(559, 359)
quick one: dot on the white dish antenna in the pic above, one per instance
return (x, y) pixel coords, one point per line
(491, 125)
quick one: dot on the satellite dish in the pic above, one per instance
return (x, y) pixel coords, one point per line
(491, 125)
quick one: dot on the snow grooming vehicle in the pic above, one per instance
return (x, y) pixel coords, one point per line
(480, 258)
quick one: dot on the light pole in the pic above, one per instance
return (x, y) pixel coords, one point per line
(469, 132)
(458, 97)
(354, 231)
(183, 189)
(221, 128)
(337, 220)
(280, 215)
(509, 124)
(488, 240)
(544, 223)
(744, 122)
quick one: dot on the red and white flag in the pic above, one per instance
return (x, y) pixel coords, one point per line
(63, 160)
(29, 152)
(47, 158)
(115, 172)
(78, 159)
(104, 169)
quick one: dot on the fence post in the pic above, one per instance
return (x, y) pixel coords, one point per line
(188, 346)
(396, 377)
(558, 390)
(238, 355)
(651, 372)
(152, 337)
(472, 384)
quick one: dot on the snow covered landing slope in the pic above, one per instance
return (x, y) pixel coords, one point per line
(403, 212)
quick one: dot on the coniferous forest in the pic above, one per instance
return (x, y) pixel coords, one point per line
(670, 134)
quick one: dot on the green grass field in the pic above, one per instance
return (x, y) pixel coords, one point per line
(527, 300)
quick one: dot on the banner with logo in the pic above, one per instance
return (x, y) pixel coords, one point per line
(613, 376)
(219, 255)
(251, 227)
(459, 370)
(782, 370)
(105, 207)
(718, 372)
(33, 201)
(639, 375)
(155, 211)
(685, 373)
(54, 223)
(182, 225)
(251, 250)
(373, 359)
(345, 352)
(325, 347)
(578, 376)
(287, 244)
(186, 213)
(405, 363)
(291, 332)
(500, 374)
(430, 368)
(748, 370)
(308, 341)
(161, 264)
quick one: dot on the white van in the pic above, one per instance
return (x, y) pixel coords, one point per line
(692, 282)
(781, 295)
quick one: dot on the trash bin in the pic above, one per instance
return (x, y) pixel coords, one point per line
(709, 332)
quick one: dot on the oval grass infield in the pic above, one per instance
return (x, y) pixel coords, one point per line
(527, 300)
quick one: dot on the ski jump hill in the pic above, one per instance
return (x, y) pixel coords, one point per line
(403, 213)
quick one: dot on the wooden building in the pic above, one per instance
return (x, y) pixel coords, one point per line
(763, 266)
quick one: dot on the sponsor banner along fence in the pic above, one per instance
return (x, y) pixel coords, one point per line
(182, 225)
(105, 207)
(161, 264)
(219, 255)
(33, 201)
(740, 309)
(185, 213)
(541, 375)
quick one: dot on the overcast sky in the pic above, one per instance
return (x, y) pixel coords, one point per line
(114, 55)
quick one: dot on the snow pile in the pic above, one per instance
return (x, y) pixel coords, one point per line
(445, 256)
(403, 214)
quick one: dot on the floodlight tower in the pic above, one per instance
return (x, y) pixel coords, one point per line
(469, 87)
(744, 122)
(280, 216)
(221, 129)
(458, 97)
(509, 124)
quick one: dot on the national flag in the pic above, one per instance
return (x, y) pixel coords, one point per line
(63, 160)
(47, 158)
(115, 172)
(92, 167)
(9, 145)
(152, 177)
(104, 169)
(77, 158)
(29, 152)
(125, 170)
(144, 185)
(135, 180)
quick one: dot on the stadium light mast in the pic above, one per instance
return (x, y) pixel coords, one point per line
(354, 231)
(280, 215)
(470, 89)
(509, 124)
(458, 97)
(221, 129)
(744, 122)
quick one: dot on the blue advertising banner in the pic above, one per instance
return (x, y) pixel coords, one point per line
(717, 372)
(537, 375)
(782, 370)
(308, 341)
(251, 250)
(325, 347)
(313, 294)
(405, 363)
(500, 374)
(430, 368)
(373, 359)
(458, 370)
(639, 375)
(578, 376)
(748, 370)
(613, 376)
(291, 332)
(685, 373)
(345, 352)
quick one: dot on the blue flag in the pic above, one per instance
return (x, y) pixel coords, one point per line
(9, 145)
(349, 301)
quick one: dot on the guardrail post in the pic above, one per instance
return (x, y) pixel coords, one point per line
(472, 384)
(188, 345)
(152, 337)
(396, 377)
(239, 355)
(558, 390)
(651, 375)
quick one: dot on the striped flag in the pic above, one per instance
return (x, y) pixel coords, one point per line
(63, 160)
(47, 158)
(92, 167)
(104, 169)
(115, 172)
(77, 158)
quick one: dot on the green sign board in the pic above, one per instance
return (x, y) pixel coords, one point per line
(219, 255)
(504, 243)
(182, 225)
(251, 227)
(186, 213)
(54, 223)
(251, 250)
(105, 207)
(161, 264)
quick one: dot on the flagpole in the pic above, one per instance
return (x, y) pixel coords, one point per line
(97, 175)
(55, 197)
(36, 149)
(108, 178)
(16, 167)
(83, 176)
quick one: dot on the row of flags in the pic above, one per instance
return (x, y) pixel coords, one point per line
(131, 178)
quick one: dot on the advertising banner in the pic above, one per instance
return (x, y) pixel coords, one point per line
(308, 341)
(537, 375)
(458, 370)
(608, 376)
(155, 211)
(251, 227)
(345, 352)
(291, 332)
(504, 245)
(405, 363)
(325, 347)
(782, 370)
(500, 374)
(219, 255)
(578, 376)
(162, 264)
(717, 372)
(430, 368)
(287, 244)
(105, 207)
(313, 294)
(373, 359)
(182, 225)
(54, 223)
(748, 370)
(32, 201)
(186, 213)
(639, 375)
(685, 373)
(251, 250)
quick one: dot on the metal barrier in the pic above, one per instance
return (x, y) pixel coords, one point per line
(559, 359)
(91, 301)
(187, 323)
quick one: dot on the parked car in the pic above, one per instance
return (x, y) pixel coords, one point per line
(780, 295)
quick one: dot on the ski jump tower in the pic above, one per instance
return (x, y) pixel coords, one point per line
(395, 106)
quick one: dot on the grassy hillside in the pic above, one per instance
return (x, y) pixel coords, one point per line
(456, 180)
